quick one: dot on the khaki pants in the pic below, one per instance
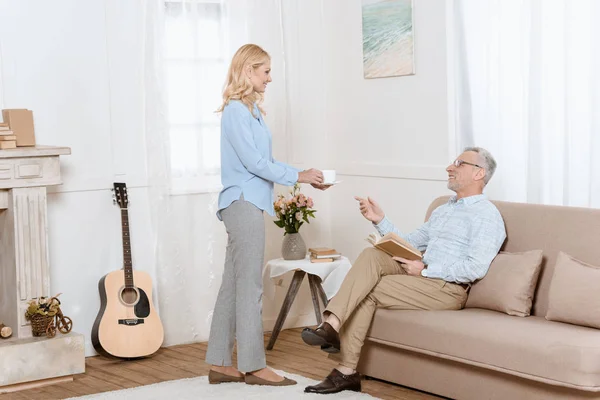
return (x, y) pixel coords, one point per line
(377, 281)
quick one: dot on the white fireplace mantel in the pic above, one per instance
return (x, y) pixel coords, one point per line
(25, 173)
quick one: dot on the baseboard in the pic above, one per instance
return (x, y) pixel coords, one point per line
(292, 321)
(35, 384)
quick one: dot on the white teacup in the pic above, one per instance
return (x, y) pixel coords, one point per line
(328, 176)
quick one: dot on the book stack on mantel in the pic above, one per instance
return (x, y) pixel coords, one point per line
(8, 140)
(323, 254)
(16, 129)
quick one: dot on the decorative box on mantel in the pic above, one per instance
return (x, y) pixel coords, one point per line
(26, 361)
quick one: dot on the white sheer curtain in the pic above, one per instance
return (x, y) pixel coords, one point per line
(189, 44)
(195, 64)
(200, 38)
(527, 79)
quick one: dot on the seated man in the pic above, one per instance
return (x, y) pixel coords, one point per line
(461, 238)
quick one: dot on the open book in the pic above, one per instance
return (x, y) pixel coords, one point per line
(394, 245)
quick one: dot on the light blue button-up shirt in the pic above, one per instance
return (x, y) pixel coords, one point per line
(247, 164)
(460, 239)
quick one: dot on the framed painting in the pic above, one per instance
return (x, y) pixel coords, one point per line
(388, 39)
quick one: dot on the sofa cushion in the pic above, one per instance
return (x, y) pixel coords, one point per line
(509, 285)
(550, 352)
(574, 292)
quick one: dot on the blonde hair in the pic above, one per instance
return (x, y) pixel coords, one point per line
(237, 86)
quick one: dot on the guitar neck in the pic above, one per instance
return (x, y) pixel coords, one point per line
(127, 264)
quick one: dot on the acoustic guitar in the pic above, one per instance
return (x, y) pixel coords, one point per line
(127, 325)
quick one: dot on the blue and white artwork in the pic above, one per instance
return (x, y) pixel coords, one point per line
(388, 42)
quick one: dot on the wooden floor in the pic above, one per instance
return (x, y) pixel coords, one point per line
(187, 361)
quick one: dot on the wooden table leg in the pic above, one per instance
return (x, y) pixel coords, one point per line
(321, 291)
(287, 304)
(313, 281)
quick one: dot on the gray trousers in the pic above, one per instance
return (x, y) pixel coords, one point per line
(238, 310)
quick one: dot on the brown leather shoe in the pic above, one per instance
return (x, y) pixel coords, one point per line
(215, 377)
(324, 335)
(335, 383)
(255, 380)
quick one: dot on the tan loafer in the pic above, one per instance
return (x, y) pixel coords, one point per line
(255, 380)
(215, 377)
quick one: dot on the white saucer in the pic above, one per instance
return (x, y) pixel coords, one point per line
(332, 183)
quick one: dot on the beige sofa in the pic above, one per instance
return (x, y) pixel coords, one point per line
(480, 354)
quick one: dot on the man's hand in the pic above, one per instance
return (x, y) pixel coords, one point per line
(312, 176)
(370, 209)
(413, 268)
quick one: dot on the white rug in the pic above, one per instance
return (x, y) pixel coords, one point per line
(198, 388)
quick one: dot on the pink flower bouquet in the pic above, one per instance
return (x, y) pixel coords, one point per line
(292, 213)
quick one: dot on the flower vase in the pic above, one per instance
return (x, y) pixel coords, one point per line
(293, 247)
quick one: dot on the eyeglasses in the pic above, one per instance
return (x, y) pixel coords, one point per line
(458, 162)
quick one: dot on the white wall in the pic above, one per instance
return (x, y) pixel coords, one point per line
(390, 134)
(54, 61)
(77, 65)
(388, 138)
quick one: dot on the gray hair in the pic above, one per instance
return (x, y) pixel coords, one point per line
(487, 161)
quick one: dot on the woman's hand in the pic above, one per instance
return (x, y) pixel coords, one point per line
(320, 187)
(370, 209)
(312, 176)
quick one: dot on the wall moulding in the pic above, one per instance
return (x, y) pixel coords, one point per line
(394, 171)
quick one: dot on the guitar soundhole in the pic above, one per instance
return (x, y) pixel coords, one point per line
(129, 296)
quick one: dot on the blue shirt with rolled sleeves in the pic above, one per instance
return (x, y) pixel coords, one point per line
(247, 164)
(460, 239)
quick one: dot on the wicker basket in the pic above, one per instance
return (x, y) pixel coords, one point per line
(39, 324)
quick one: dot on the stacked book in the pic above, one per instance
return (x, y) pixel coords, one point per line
(8, 140)
(323, 254)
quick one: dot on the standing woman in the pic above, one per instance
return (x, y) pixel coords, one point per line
(248, 172)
